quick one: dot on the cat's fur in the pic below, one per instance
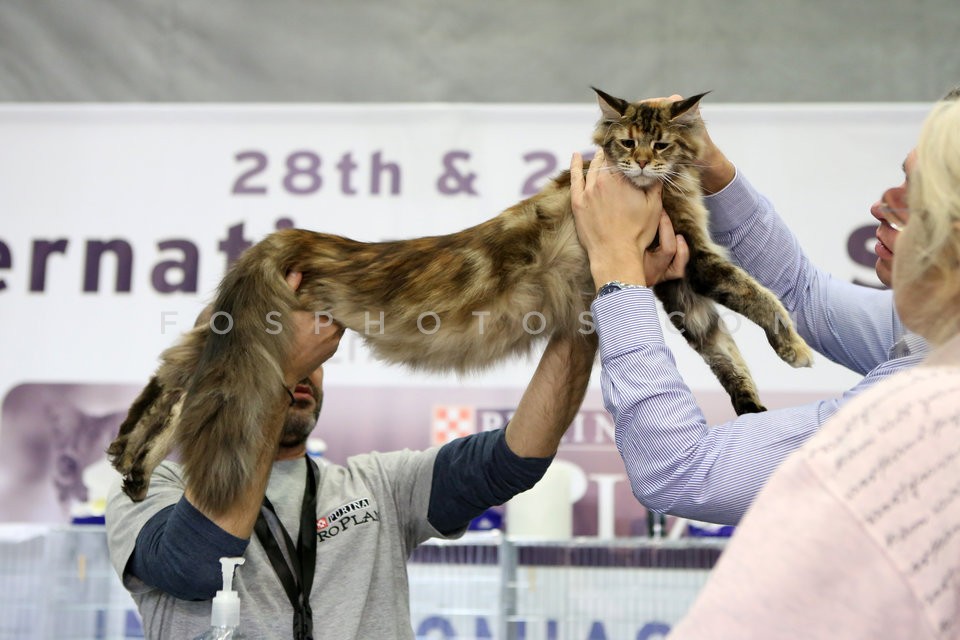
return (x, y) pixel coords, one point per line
(456, 302)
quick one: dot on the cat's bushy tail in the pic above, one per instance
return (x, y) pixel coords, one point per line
(146, 435)
(239, 375)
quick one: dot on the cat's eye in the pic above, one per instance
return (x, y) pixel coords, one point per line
(629, 143)
(660, 146)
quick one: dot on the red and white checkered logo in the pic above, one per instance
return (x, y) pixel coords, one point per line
(451, 422)
(322, 524)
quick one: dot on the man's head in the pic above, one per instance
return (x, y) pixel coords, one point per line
(303, 413)
(893, 212)
(927, 274)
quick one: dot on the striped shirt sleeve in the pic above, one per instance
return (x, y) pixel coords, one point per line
(852, 325)
(676, 463)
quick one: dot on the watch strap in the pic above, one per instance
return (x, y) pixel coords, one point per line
(616, 285)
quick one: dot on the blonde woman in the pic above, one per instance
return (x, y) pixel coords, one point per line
(857, 534)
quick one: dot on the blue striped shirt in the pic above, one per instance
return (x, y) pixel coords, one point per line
(676, 463)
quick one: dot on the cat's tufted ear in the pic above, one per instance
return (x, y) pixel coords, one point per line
(611, 108)
(680, 107)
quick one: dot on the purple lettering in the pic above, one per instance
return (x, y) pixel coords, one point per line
(96, 249)
(346, 167)
(6, 261)
(379, 166)
(597, 631)
(452, 180)
(234, 244)
(482, 630)
(653, 631)
(303, 173)
(240, 185)
(860, 248)
(38, 269)
(436, 623)
(538, 179)
(188, 267)
(552, 630)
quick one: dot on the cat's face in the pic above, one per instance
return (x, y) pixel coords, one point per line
(649, 141)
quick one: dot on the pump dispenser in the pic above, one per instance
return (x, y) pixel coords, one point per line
(225, 611)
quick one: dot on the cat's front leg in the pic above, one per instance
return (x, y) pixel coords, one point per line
(735, 289)
(697, 320)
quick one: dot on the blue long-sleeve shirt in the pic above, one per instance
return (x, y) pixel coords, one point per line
(178, 549)
(676, 463)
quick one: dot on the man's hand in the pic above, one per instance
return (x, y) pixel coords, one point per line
(615, 220)
(314, 342)
(669, 260)
(716, 171)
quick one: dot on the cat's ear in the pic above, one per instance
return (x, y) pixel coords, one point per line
(680, 107)
(611, 108)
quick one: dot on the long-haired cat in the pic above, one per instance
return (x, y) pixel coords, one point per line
(455, 302)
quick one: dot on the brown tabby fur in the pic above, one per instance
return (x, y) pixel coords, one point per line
(210, 396)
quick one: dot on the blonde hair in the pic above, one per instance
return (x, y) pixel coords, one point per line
(929, 267)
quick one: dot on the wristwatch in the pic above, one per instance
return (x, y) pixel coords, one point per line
(616, 285)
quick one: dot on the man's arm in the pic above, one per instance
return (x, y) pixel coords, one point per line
(676, 464)
(179, 548)
(168, 554)
(850, 324)
(483, 470)
(553, 397)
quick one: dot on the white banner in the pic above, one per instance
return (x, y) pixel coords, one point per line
(118, 222)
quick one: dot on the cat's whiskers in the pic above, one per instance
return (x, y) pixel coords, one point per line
(668, 179)
(696, 165)
(609, 169)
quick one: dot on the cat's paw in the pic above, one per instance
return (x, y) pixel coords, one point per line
(749, 405)
(796, 353)
(135, 485)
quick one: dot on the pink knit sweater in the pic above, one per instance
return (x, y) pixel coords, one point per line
(857, 535)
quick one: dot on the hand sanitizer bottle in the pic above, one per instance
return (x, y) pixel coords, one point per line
(225, 611)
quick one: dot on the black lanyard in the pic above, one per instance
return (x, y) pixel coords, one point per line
(298, 582)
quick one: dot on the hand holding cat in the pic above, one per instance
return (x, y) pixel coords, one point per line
(315, 340)
(716, 170)
(668, 261)
(615, 220)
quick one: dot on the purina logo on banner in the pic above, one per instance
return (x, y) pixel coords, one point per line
(451, 422)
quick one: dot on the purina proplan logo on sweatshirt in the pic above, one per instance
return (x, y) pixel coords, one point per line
(346, 517)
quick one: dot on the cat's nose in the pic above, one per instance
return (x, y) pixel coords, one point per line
(642, 163)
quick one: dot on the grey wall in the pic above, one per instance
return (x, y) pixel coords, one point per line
(479, 51)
